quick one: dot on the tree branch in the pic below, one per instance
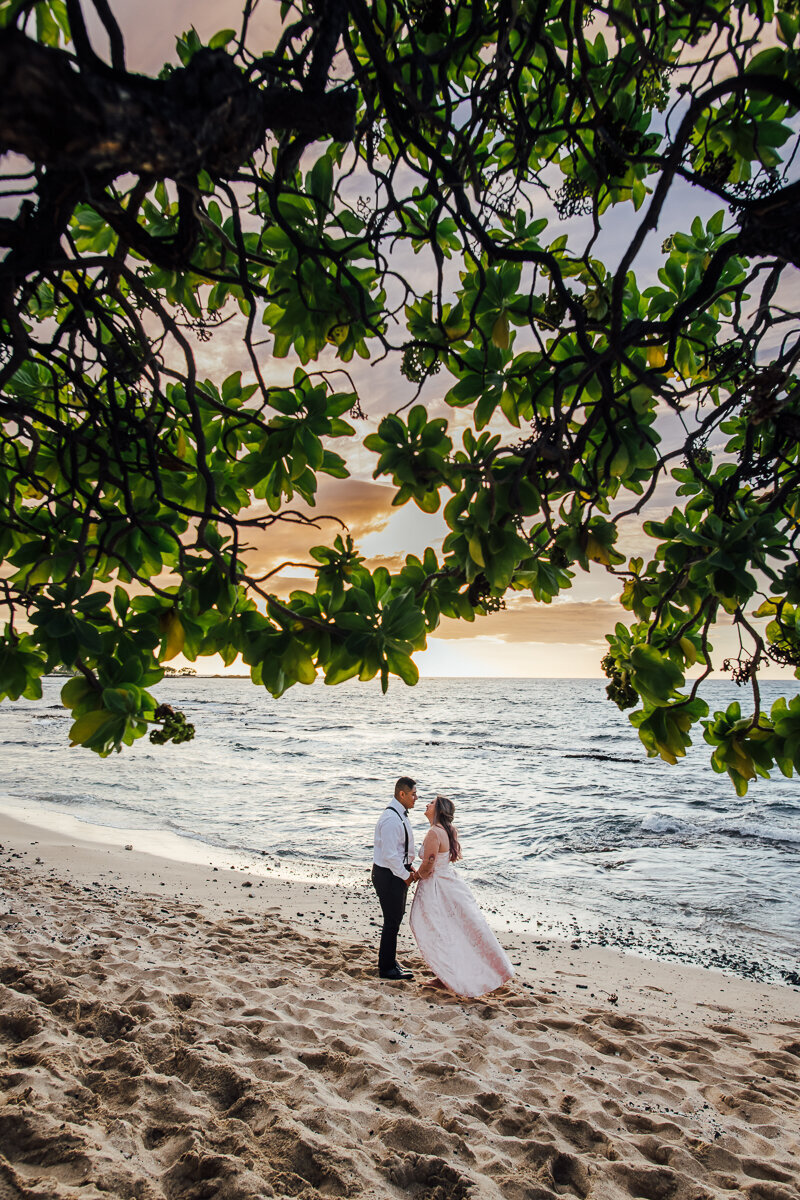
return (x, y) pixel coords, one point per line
(203, 117)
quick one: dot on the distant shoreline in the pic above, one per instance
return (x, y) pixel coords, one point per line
(715, 677)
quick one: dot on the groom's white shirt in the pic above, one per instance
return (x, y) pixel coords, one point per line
(390, 841)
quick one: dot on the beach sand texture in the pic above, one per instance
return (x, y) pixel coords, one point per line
(206, 1038)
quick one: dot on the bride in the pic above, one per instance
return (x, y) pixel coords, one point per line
(451, 933)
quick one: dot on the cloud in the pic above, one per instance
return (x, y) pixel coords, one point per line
(577, 622)
(150, 28)
(349, 505)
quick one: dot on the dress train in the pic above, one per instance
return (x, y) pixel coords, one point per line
(453, 936)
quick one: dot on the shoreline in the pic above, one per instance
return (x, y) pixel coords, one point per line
(85, 855)
(174, 1030)
(559, 843)
(553, 925)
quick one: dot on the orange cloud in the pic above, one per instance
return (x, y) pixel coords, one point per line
(572, 621)
(346, 505)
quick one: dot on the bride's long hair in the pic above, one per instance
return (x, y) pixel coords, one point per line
(443, 812)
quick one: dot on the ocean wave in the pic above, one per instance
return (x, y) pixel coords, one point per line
(757, 830)
(324, 728)
(511, 745)
(480, 743)
(662, 823)
(762, 831)
(597, 757)
(785, 805)
(57, 797)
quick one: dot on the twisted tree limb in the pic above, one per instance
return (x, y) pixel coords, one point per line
(95, 120)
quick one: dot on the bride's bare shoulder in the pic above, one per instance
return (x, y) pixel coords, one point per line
(444, 840)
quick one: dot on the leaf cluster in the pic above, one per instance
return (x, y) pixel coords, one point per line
(559, 390)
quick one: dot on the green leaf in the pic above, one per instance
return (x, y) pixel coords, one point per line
(402, 665)
(653, 674)
(90, 727)
(320, 180)
(476, 550)
(75, 691)
(222, 38)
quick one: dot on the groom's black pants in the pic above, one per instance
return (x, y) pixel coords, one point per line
(392, 893)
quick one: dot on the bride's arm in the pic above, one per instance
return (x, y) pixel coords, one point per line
(430, 848)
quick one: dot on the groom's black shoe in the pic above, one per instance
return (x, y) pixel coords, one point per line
(395, 973)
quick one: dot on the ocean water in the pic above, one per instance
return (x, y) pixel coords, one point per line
(567, 827)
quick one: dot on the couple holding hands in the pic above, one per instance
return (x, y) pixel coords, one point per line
(450, 931)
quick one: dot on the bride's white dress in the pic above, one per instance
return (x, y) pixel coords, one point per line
(453, 936)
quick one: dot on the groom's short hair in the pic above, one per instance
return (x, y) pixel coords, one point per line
(405, 784)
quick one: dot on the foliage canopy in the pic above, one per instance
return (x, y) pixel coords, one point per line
(304, 191)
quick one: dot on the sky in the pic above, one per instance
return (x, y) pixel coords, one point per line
(563, 639)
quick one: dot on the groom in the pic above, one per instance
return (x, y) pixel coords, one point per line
(392, 872)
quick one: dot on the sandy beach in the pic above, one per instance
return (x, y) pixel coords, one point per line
(182, 1030)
